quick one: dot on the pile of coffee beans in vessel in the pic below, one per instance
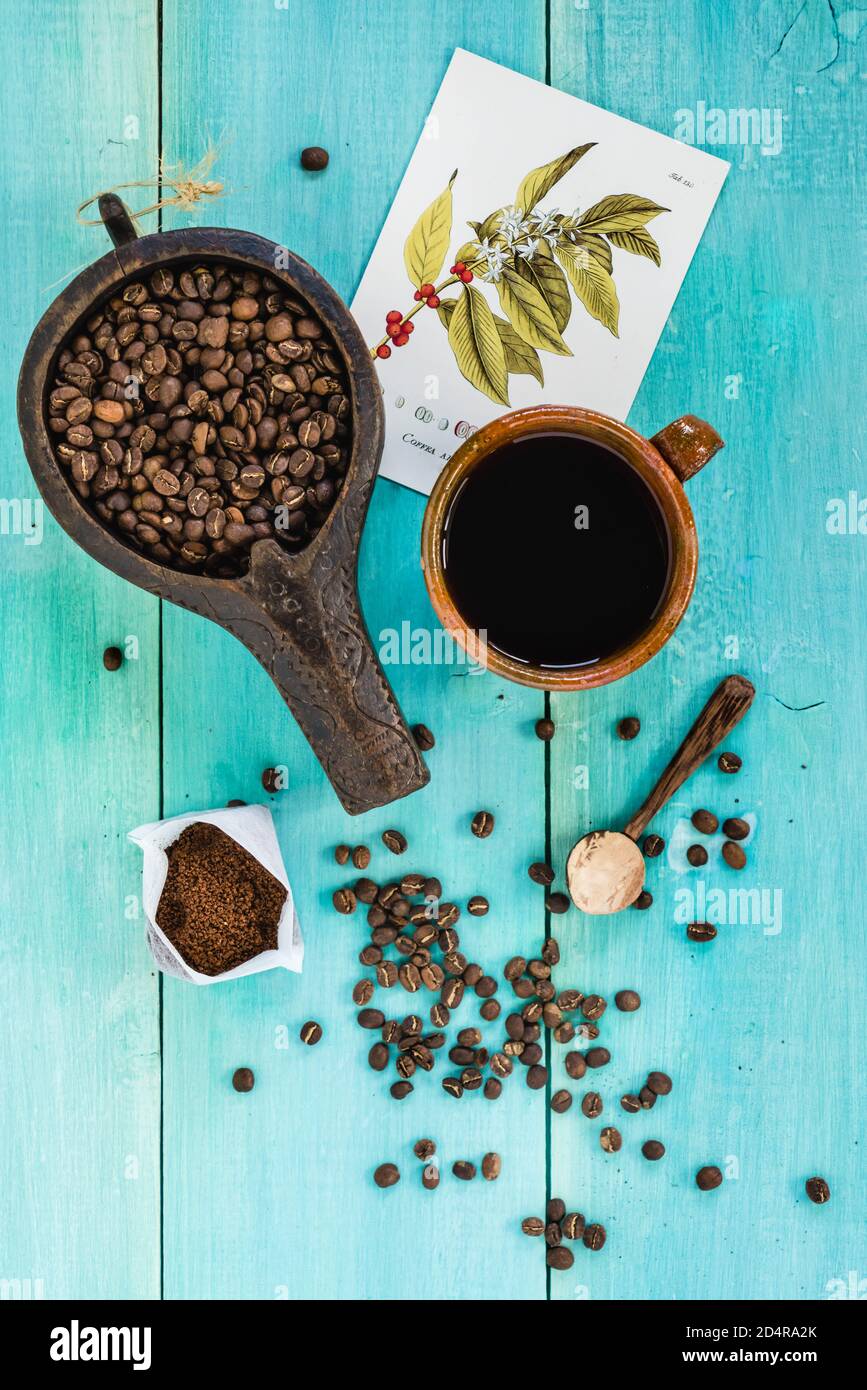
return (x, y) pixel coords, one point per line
(201, 409)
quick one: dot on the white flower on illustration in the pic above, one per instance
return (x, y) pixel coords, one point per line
(527, 250)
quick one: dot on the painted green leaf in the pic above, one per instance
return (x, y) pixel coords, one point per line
(529, 314)
(521, 359)
(465, 252)
(539, 182)
(476, 344)
(490, 224)
(592, 284)
(428, 242)
(639, 242)
(598, 248)
(621, 212)
(544, 272)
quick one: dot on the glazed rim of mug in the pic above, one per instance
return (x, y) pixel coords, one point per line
(661, 481)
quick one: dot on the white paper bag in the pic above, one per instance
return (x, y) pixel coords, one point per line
(253, 828)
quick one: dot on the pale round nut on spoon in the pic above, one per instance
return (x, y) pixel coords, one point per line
(605, 869)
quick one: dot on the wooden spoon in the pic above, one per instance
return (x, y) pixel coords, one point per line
(605, 869)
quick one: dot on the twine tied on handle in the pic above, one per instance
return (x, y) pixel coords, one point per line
(191, 187)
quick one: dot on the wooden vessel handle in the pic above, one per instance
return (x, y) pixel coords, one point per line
(725, 708)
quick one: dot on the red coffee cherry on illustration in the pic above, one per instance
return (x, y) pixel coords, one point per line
(466, 276)
(457, 268)
(433, 302)
(426, 290)
(383, 350)
(400, 338)
(407, 327)
(393, 316)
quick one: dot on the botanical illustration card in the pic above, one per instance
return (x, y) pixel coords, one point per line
(532, 254)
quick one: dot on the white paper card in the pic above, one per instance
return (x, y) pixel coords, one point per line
(587, 245)
(253, 828)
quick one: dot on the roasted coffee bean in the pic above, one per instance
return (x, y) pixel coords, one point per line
(818, 1190)
(478, 906)
(590, 1031)
(486, 986)
(545, 729)
(572, 1225)
(533, 1226)
(647, 1098)
(371, 1018)
(611, 1139)
(493, 1088)
(556, 1209)
(500, 1064)
(341, 854)
(490, 1010)
(440, 1015)
(432, 888)
(391, 1031)
(564, 1032)
(523, 988)
(653, 1149)
(452, 993)
(424, 1149)
(394, 840)
(627, 1000)
(735, 828)
(705, 821)
(570, 1000)
(400, 1090)
(112, 658)
(378, 1056)
(659, 1083)
(362, 993)
(594, 1237)
(482, 824)
(575, 1065)
(593, 1006)
(243, 1079)
(652, 846)
(729, 762)
(424, 739)
(405, 1065)
(430, 1177)
(556, 902)
(361, 856)
(464, 1170)
(552, 1016)
(311, 1033)
(272, 780)
(630, 1103)
(366, 892)
(471, 1078)
(386, 1175)
(629, 727)
(411, 885)
(446, 918)
(643, 901)
(537, 1076)
(492, 1166)
(551, 951)
(559, 1257)
(541, 873)
(734, 855)
(708, 1178)
(344, 900)
(597, 1057)
(314, 158)
(514, 968)
(591, 1105)
(387, 974)
(452, 1086)
(696, 856)
(561, 1101)
(701, 931)
(553, 1234)
(371, 955)
(530, 1054)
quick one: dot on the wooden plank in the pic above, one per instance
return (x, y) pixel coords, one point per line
(270, 1194)
(80, 1091)
(760, 1031)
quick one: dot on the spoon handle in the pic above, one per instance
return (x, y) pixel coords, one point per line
(725, 708)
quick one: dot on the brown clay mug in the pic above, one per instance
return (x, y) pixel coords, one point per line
(664, 463)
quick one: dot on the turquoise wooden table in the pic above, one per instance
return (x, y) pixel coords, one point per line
(129, 1166)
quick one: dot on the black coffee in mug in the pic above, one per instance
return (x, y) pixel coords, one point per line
(556, 549)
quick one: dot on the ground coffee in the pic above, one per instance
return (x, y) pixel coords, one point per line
(219, 906)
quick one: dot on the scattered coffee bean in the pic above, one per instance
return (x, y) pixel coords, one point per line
(514, 968)
(559, 1257)
(362, 992)
(361, 856)
(314, 158)
(647, 1098)
(593, 1006)
(478, 906)
(705, 821)
(401, 1089)
(653, 1149)
(394, 840)
(344, 900)
(696, 856)
(575, 1065)
(735, 828)
(430, 1177)
(556, 902)
(386, 1175)
(572, 1225)
(533, 1226)
(708, 1178)
(627, 1000)
(464, 1170)
(493, 1088)
(424, 1149)
(541, 873)
(561, 1101)
(653, 846)
(594, 1237)
(482, 824)
(453, 1086)
(630, 1103)
(545, 729)
(643, 901)
(371, 1018)
(243, 1079)
(490, 1010)
(553, 1234)
(311, 1033)
(377, 1057)
(597, 1057)
(492, 1166)
(628, 728)
(341, 854)
(729, 762)
(112, 658)
(536, 1077)
(591, 1105)
(701, 931)
(272, 780)
(734, 855)
(556, 1209)
(818, 1190)
(659, 1083)
(424, 739)
(611, 1139)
